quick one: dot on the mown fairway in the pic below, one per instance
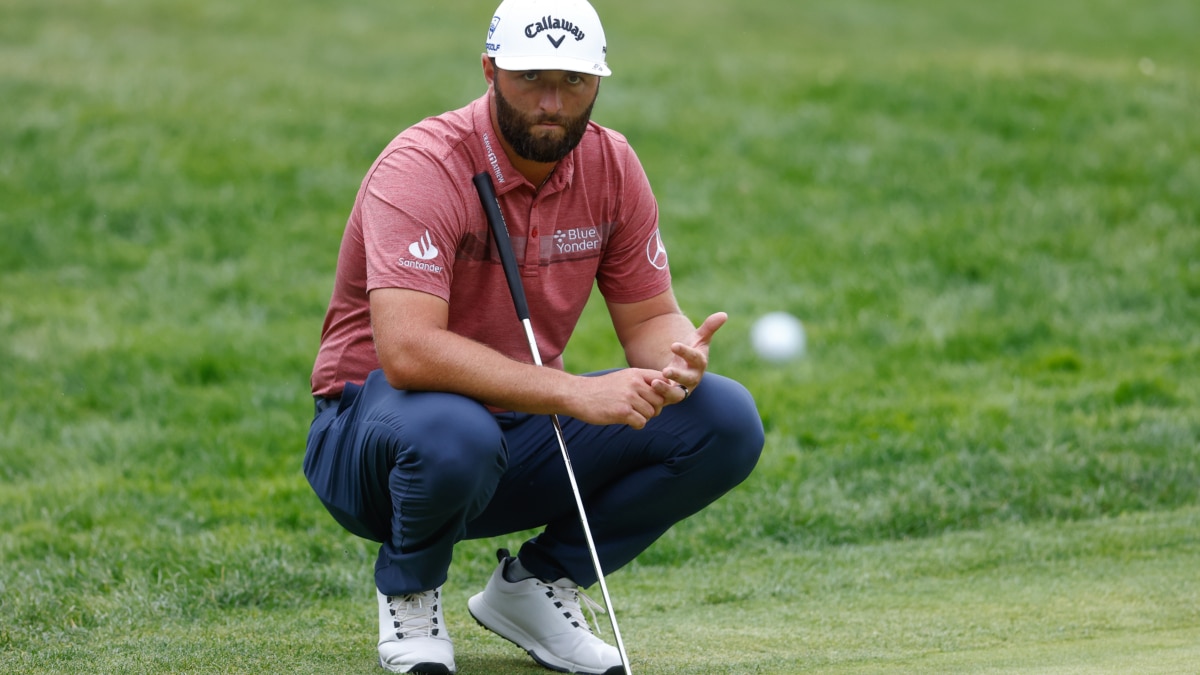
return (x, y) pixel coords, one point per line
(987, 215)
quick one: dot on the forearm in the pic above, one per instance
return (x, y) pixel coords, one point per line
(648, 343)
(444, 361)
(439, 360)
(417, 352)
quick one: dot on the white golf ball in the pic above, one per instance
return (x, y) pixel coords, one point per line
(778, 336)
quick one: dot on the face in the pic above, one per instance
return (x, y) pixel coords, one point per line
(543, 114)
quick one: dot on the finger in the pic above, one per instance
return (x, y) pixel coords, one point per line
(693, 356)
(711, 325)
(642, 412)
(649, 377)
(672, 392)
(689, 367)
(658, 400)
(648, 398)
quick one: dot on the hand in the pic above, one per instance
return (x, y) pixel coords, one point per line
(629, 396)
(690, 361)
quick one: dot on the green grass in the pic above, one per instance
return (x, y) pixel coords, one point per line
(987, 215)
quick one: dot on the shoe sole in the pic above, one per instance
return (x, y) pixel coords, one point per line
(422, 669)
(501, 625)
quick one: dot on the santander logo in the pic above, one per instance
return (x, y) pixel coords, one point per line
(423, 249)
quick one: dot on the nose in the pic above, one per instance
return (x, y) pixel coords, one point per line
(550, 101)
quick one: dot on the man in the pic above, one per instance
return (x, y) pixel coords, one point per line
(431, 423)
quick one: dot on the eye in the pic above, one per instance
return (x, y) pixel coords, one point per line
(574, 78)
(530, 76)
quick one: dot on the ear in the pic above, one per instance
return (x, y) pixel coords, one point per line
(489, 70)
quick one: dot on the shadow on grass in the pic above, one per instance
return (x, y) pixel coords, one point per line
(516, 664)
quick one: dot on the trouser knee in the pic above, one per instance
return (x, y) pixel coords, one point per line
(382, 445)
(732, 429)
(456, 453)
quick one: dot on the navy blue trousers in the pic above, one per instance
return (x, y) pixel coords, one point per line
(420, 471)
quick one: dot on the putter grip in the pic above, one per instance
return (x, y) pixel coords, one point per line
(495, 218)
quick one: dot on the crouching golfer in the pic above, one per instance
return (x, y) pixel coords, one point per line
(431, 422)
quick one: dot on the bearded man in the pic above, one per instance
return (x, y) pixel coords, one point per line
(431, 422)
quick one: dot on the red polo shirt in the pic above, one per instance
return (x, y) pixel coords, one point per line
(417, 223)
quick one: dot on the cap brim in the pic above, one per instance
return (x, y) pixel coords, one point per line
(551, 63)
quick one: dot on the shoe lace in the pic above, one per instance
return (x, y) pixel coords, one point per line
(571, 600)
(415, 615)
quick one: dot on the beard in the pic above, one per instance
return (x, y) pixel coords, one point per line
(515, 127)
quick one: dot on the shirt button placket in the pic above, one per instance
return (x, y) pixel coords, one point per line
(533, 245)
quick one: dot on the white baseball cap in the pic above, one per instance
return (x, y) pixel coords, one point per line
(548, 35)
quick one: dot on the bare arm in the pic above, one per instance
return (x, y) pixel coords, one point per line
(657, 335)
(416, 351)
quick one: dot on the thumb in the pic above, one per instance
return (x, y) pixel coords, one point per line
(711, 325)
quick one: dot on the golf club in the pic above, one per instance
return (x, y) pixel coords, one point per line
(495, 217)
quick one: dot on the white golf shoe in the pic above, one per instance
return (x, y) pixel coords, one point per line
(412, 634)
(545, 619)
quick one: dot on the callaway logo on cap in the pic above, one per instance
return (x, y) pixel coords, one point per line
(548, 35)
